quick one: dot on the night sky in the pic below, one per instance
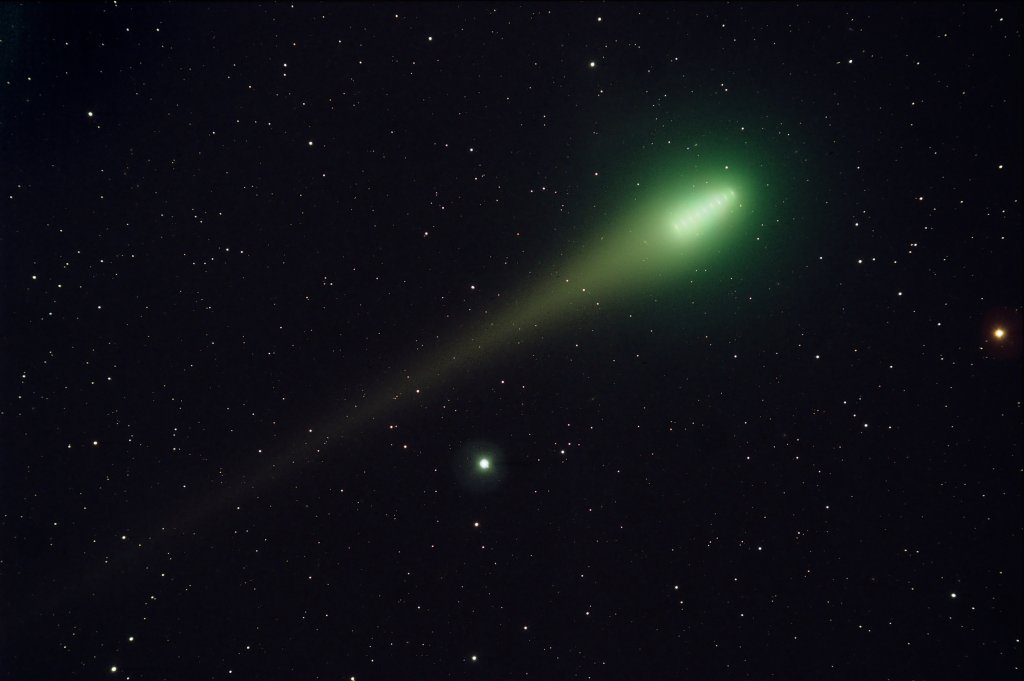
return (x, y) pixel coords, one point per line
(350, 341)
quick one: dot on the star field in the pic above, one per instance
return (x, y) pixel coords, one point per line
(510, 341)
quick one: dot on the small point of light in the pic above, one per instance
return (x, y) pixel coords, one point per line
(89, 114)
(485, 464)
(593, 64)
(113, 669)
(473, 658)
(999, 333)
(952, 595)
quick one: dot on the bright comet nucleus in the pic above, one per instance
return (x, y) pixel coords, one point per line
(484, 464)
(691, 218)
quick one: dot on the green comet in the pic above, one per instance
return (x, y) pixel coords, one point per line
(668, 231)
(658, 238)
(644, 248)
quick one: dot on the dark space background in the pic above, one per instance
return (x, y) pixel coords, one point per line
(220, 222)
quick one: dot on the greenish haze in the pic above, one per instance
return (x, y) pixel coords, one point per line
(662, 231)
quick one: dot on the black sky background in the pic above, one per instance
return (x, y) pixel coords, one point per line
(688, 488)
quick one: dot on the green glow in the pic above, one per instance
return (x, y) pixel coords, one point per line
(693, 219)
(669, 230)
(484, 464)
(661, 234)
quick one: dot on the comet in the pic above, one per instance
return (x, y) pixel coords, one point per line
(656, 241)
(643, 247)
